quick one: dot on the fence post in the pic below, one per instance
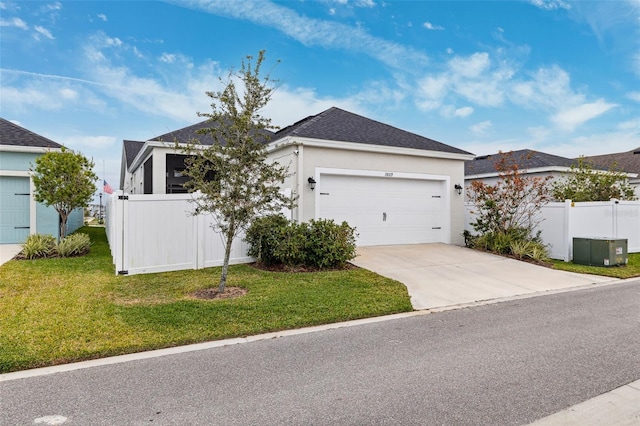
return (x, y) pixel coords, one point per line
(198, 249)
(116, 224)
(120, 232)
(614, 217)
(568, 232)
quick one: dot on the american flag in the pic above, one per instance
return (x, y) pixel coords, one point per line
(107, 188)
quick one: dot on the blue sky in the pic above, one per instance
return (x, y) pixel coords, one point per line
(557, 76)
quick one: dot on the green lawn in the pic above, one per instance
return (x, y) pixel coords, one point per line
(54, 311)
(632, 269)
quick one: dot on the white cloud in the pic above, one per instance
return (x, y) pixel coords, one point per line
(102, 16)
(595, 144)
(79, 142)
(365, 3)
(315, 32)
(289, 105)
(53, 6)
(630, 125)
(450, 111)
(471, 66)
(32, 91)
(463, 112)
(431, 92)
(550, 87)
(44, 32)
(167, 58)
(634, 96)
(430, 26)
(481, 128)
(115, 41)
(15, 22)
(571, 118)
(67, 93)
(550, 4)
(539, 133)
(449, 50)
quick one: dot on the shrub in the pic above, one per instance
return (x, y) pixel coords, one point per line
(290, 247)
(37, 246)
(328, 244)
(263, 237)
(318, 244)
(74, 245)
(515, 241)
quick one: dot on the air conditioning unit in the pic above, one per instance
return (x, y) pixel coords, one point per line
(596, 251)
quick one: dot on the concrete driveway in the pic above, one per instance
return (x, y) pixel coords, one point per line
(8, 251)
(438, 275)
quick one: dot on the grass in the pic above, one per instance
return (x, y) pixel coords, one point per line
(55, 311)
(632, 269)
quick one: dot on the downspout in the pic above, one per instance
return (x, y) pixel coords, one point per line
(300, 185)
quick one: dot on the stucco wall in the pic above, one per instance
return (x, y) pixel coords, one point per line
(309, 158)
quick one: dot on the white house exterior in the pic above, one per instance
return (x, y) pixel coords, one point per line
(535, 164)
(394, 186)
(628, 161)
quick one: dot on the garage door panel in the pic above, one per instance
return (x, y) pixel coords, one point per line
(385, 210)
(14, 214)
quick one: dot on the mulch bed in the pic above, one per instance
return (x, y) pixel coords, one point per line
(213, 294)
(299, 268)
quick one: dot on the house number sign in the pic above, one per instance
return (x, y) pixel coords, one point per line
(388, 174)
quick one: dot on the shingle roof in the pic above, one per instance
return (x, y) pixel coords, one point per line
(12, 134)
(526, 159)
(187, 134)
(339, 125)
(131, 149)
(626, 161)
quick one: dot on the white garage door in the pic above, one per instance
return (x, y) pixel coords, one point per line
(385, 210)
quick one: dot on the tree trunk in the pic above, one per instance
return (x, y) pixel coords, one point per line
(225, 263)
(63, 225)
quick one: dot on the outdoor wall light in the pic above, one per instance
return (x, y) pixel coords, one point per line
(458, 188)
(312, 183)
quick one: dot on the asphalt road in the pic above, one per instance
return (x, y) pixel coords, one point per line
(502, 364)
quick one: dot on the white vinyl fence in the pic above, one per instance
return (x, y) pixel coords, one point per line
(157, 233)
(563, 221)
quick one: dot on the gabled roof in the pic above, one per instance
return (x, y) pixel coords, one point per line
(526, 159)
(336, 124)
(131, 149)
(626, 161)
(12, 134)
(189, 133)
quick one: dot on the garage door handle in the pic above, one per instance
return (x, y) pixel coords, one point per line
(21, 227)
(384, 217)
(21, 194)
(436, 227)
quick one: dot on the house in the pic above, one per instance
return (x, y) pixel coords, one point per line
(20, 214)
(535, 163)
(628, 161)
(394, 186)
(530, 162)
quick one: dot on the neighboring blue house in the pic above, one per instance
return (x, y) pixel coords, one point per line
(20, 214)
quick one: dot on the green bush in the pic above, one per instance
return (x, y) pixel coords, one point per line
(74, 245)
(515, 242)
(37, 246)
(290, 248)
(263, 237)
(318, 244)
(328, 244)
